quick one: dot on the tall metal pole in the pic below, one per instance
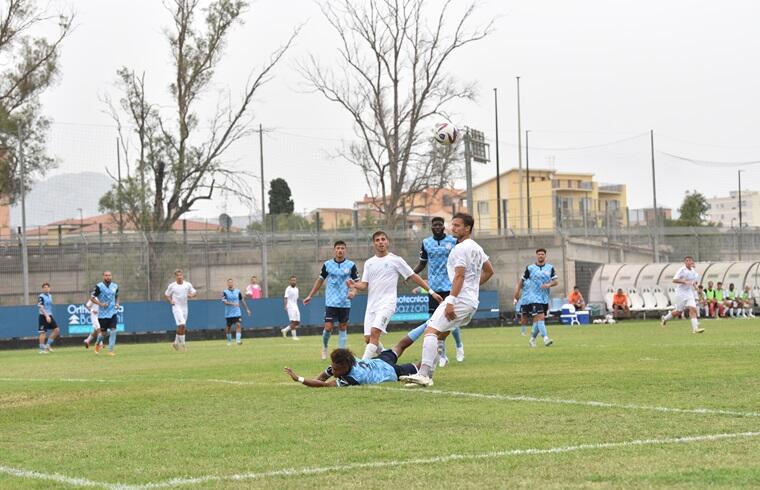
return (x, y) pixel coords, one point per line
(519, 156)
(498, 171)
(468, 170)
(654, 202)
(119, 191)
(264, 252)
(527, 180)
(739, 235)
(24, 250)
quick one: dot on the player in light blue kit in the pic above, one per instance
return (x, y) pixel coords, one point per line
(434, 254)
(45, 321)
(346, 369)
(336, 272)
(232, 297)
(534, 286)
(105, 294)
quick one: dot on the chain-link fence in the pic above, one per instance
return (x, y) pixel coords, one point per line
(143, 264)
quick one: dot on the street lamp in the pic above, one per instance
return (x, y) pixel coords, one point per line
(739, 234)
(81, 219)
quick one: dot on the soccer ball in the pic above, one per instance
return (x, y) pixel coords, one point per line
(446, 133)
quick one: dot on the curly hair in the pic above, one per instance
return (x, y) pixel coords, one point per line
(343, 357)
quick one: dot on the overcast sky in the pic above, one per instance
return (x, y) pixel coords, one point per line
(592, 72)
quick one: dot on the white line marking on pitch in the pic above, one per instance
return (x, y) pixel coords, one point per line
(559, 401)
(61, 380)
(286, 472)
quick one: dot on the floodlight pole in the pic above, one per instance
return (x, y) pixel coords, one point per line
(24, 249)
(739, 235)
(527, 180)
(498, 171)
(468, 170)
(654, 202)
(264, 252)
(519, 157)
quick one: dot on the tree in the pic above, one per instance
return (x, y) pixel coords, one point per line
(178, 162)
(392, 80)
(30, 64)
(693, 210)
(280, 201)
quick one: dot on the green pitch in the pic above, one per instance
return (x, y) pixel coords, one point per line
(676, 410)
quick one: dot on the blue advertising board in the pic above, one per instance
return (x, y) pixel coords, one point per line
(156, 316)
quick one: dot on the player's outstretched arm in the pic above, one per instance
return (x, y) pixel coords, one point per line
(314, 289)
(358, 285)
(424, 284)
(487, 272)
(319, 382)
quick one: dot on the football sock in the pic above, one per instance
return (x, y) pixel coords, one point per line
(100, 338)
(238, 335)
(229, 337)
(441, 348)
(89, 338)
(176, 338)
(694, 324)
(287, 328)
(542, 328)
(417, 332)
(534, 331)
(342, 339)
(50, 341)
(523, 328)
(325, 337)
(668, 317)
(42, 346)
(457, 334)
(181, 339)
(111, 339)
(369, 351)
(429, 353)
(380, 347)
(294, 333)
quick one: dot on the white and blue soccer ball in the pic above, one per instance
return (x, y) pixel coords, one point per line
(446, 133)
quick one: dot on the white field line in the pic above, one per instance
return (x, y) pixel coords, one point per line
(60, 380)
(295, 472)
(587, 403)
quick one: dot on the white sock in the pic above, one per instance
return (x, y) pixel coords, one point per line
(181, 339)
(380, 347)
(176, 338)
(694, 324)
(546, 338)
(287, 329)
(294, 333)
(369, 351)
(668, 317)
(429, 353)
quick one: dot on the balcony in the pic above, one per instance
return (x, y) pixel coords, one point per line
(612, 188)
(571, 185)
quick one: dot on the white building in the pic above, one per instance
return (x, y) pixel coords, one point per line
(725, 210)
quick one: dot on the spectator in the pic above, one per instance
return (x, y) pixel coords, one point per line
(730, 302)
(710, 298)
(720, 298)
(620, 304)
(253, 290)
(576, 299)
(703, 309)
(747, 303)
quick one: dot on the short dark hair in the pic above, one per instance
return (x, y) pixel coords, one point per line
(575, 287)
(466, 218)
(292, 276)
(541, 250)
(45, 284)
(378, 233)
(688, 257)
(437, 219)
(339, 242)
(343, 356)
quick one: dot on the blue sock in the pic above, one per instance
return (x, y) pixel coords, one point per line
(99, 339)
(342, 339)
(523, 328)
(326, 337)
(229, 337)
(50, 341)
(534, 330)
(42, 346)
(541, 327)
(417, 332)
(238, 336)
(442, 348)
(457, 334)
(111, 339)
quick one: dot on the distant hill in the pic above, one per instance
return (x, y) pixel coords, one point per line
(60, 197)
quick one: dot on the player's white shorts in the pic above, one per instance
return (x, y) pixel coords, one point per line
(180, 315)
(294, 314)
(683, 302)
(464, 314)
(95, 321)
(378, 317)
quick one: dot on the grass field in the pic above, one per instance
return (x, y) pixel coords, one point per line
(677, 410)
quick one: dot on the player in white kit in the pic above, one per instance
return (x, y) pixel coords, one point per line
(93, 308)
(291, 307)
(380, 279)
(468, 268)
(687, 281)
(177, 294)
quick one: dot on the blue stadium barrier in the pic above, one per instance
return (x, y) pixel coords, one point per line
(156, 316)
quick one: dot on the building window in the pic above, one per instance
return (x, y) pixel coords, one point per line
(447, 200)
(483, 207)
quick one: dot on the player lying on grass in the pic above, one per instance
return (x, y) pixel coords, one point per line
(348, 370)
